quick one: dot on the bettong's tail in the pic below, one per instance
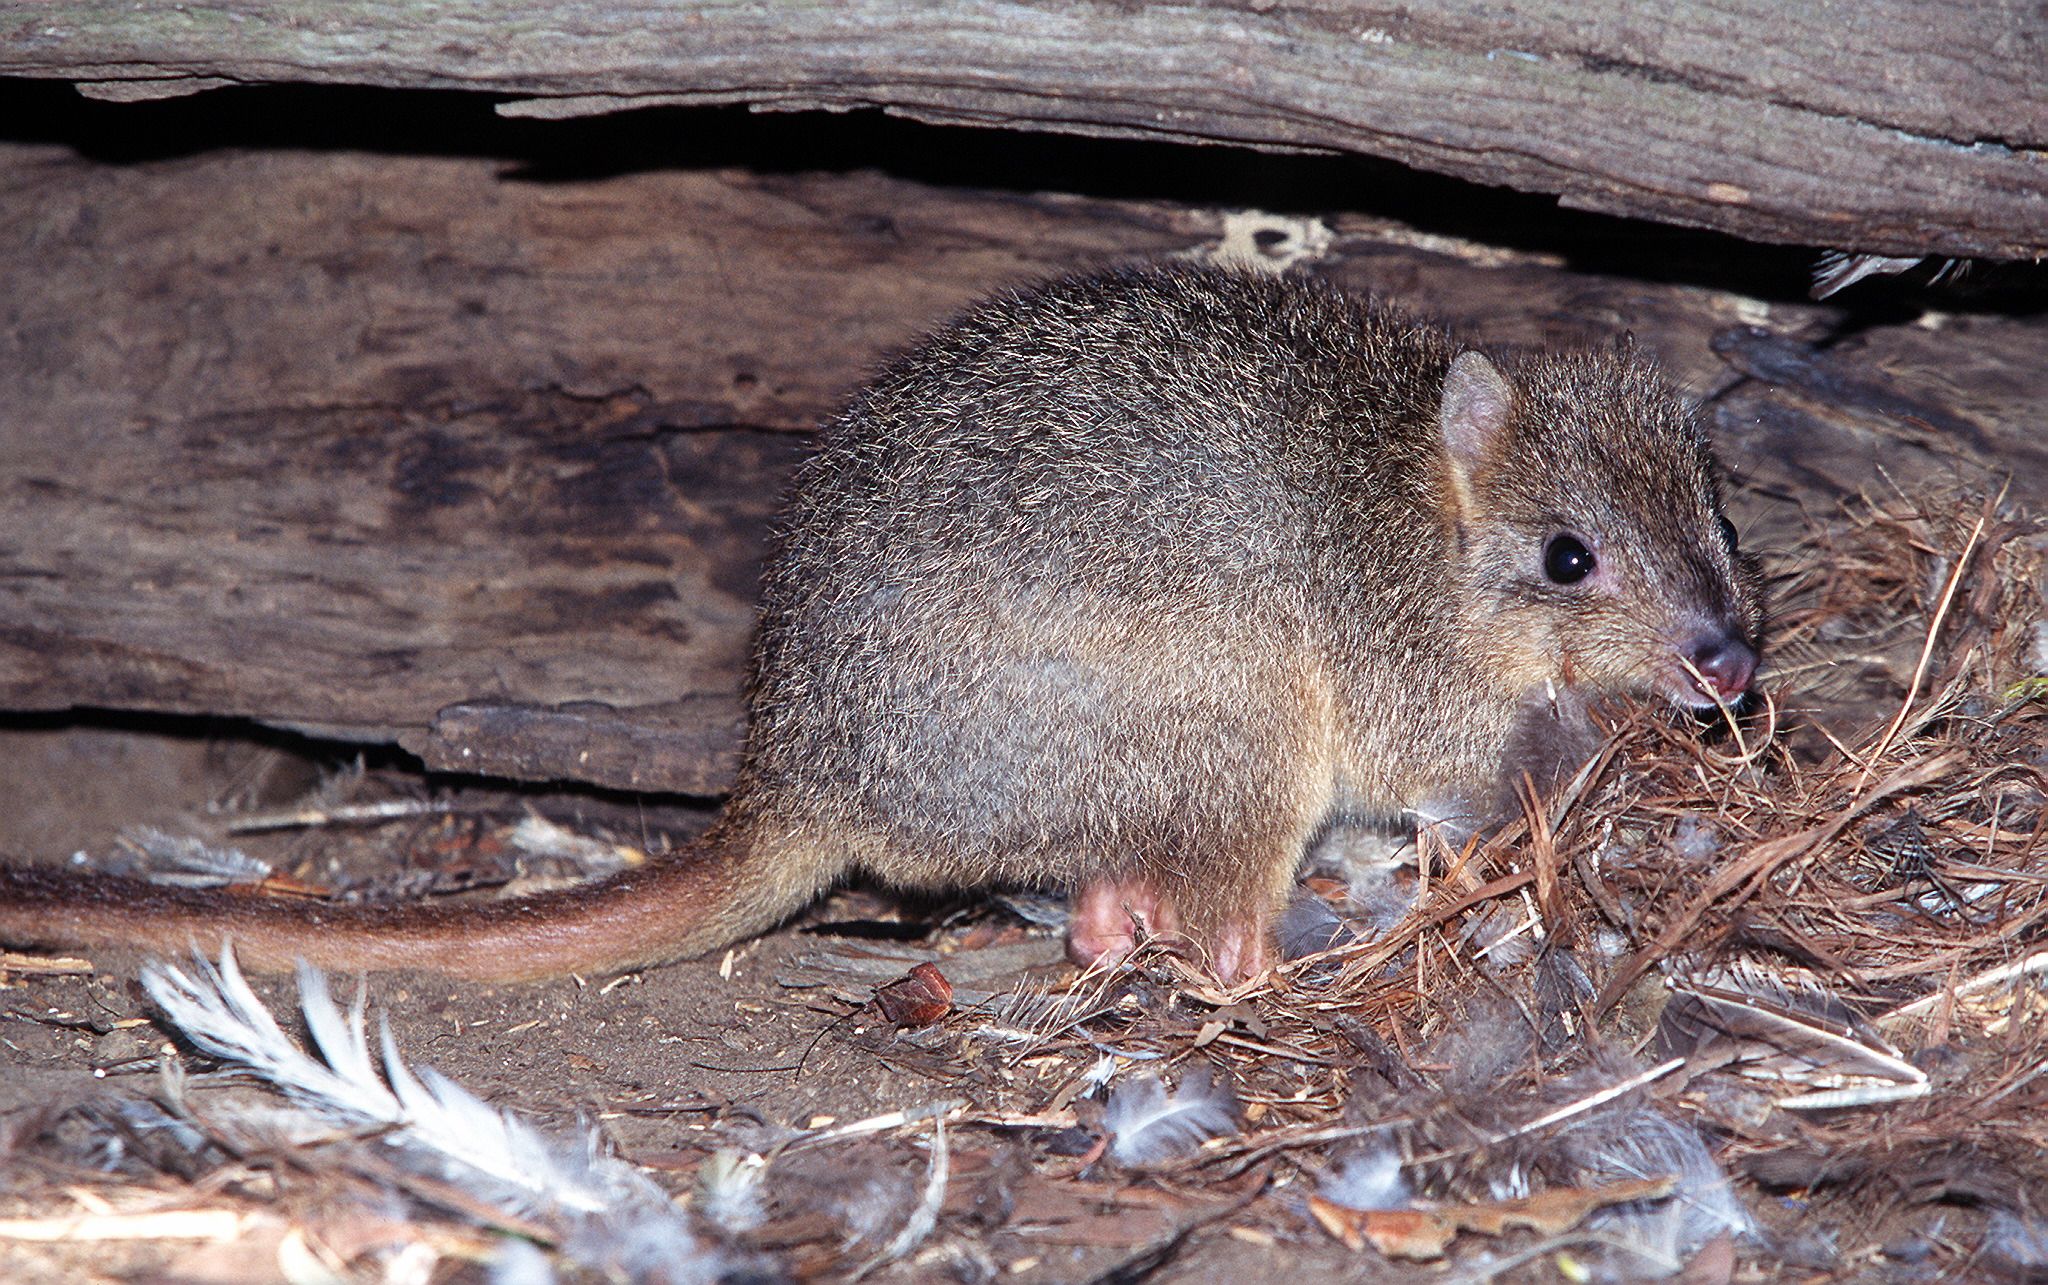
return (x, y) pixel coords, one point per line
(715, 891)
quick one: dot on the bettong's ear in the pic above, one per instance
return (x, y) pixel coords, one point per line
(1473, 419)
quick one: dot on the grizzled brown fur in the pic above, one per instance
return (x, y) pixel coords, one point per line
(1126, 585)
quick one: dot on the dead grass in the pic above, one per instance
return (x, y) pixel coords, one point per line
(1842, 895)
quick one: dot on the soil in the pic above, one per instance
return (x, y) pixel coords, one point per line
(777, 1038)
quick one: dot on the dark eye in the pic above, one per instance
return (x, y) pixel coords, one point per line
(1728, 534)
(1566, 560)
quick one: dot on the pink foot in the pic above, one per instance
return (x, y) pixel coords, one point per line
(1104, 923)
(1240, 951)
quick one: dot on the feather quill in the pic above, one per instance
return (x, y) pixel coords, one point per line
(1782, 1025)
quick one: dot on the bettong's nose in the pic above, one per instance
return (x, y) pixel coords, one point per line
(1725, 665)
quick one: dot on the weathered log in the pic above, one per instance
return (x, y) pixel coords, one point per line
(390, 449)
(393, 449)
(1894, 126)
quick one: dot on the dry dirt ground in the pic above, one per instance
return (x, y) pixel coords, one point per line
(1868, 897)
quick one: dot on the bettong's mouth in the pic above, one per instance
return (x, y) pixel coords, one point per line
(1690, 693)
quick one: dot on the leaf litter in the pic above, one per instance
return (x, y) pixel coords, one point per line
(1767, 998)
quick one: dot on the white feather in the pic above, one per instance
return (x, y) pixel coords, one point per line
(183, 861)
(729, 1189)
(1367, 1179)
(1643, 1143)
(1786, 1026)
(344, 1047)
(521, 1262)
(610, 1215)
(2018, 1243)
(1151, 1125)
(1837, 270)
(1098, 1073)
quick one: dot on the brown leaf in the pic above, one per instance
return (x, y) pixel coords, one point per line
(1402, 1233)
(1713, 1265)
(1423, 1233)
(1558, 1210)
(920, 997)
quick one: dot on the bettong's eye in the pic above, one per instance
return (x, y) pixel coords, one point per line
(1567, 560)
(1728, 535)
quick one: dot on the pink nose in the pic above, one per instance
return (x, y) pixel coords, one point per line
(1726, 665)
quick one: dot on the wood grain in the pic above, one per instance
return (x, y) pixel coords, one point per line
(407, 450)
(1889, 126)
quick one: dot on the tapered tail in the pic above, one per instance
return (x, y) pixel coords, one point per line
(711, 893)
